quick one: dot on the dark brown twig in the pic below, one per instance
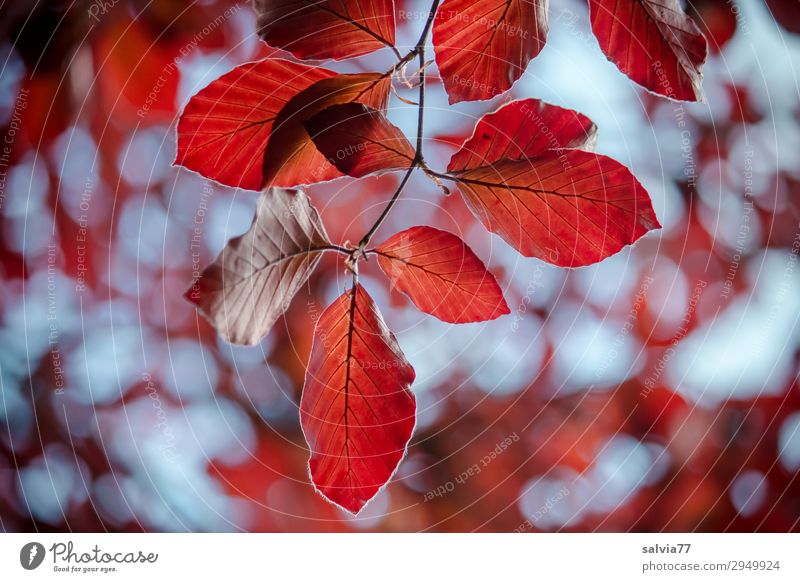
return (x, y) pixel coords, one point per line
(418, 161)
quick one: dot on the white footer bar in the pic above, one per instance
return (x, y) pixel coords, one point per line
(401, 557)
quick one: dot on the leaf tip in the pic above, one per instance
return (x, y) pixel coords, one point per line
(503, 308)
(453, 99)
(344, 498)
(656, 224)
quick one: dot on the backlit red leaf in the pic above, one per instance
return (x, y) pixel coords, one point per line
(441, 275)
(224, 129)
(357, 411)
(483, 46)
(523, 129)
(292, 158)
(326, 29)
(359, 140)
(567, 207)
(250, 284)
(654, 43)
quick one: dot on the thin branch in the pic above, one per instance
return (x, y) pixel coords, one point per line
(337, 248)
(431, 15)
(421, 106)
(420, 42)
(371, 232)
(402, 61)
(421, 52)
(437, 177)
(418, 161)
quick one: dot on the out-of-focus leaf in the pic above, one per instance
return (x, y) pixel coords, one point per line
(143, 81)
(717, 21)
(253, 280)
(357, 411)
(786, 13)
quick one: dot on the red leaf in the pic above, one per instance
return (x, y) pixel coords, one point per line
(357, 411)
(441, 275)
(567, 207)
(523, 129)
(654, 43)
(359, 140)
(483, 47)
(292, 158)
(326, 29)
(224, 129)
(250, 284)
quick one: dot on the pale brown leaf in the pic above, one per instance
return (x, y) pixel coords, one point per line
(252, 281)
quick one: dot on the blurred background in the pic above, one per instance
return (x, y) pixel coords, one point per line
(656, 391)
